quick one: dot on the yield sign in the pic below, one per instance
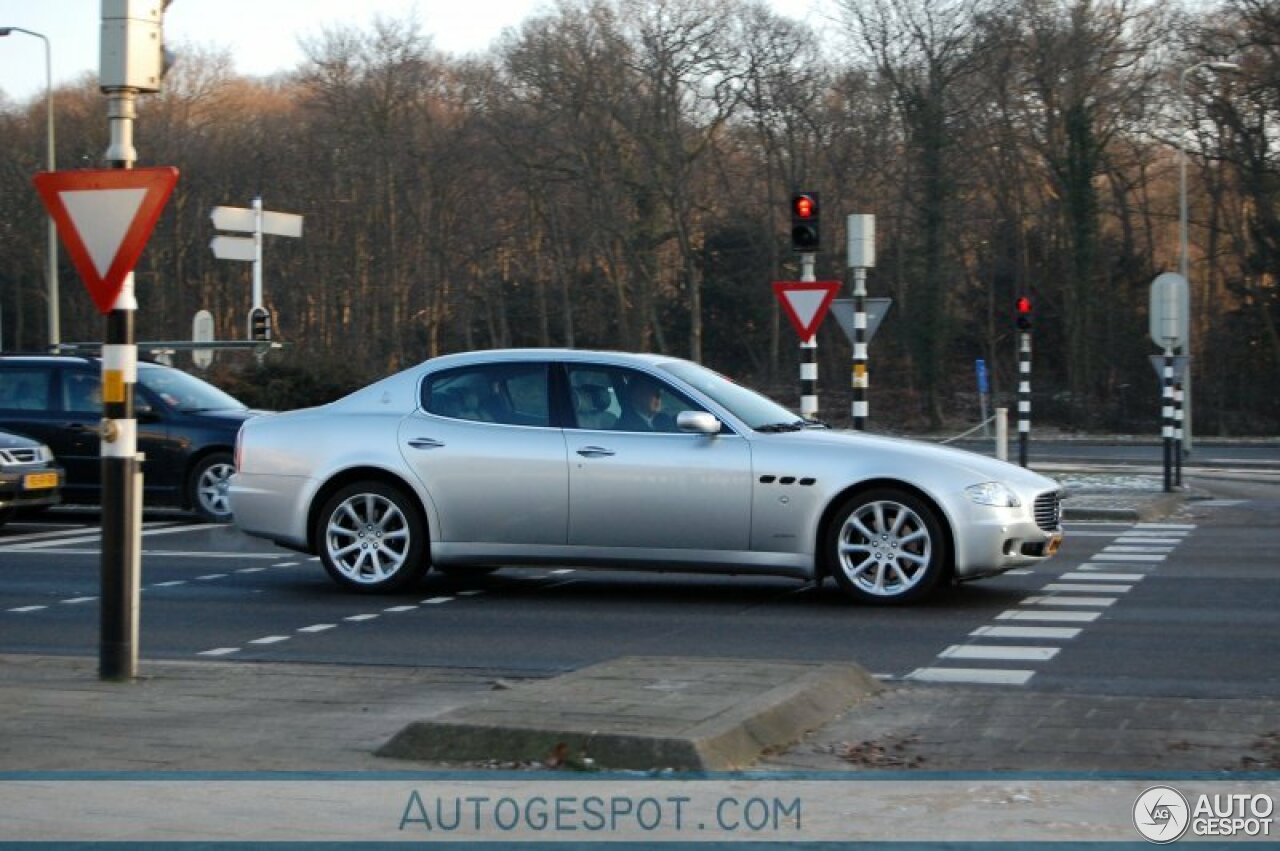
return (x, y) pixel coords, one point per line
(806, 303)
(105, 217)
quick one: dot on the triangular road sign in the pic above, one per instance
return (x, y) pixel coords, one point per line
(806, 303)
(105, 217)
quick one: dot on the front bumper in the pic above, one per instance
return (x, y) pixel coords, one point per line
(29, 487)
(998, 539)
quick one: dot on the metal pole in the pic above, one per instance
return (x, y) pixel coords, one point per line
(257, 252)
(808, 353)
(121, 568)
(1177, 434)
(1183, 261)
(1002, 434)
(861, 380)
(1166, 413)
(55, 335)
(1024, 394)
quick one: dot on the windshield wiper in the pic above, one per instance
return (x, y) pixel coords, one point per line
(794, 425)
(815, 423)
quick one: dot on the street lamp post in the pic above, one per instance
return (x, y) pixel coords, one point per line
(55, 335)
(1183, 261)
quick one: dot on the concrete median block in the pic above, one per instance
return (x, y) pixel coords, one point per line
(643, 713)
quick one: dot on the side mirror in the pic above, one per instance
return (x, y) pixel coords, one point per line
(697, 422)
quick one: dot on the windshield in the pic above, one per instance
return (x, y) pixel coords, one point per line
(185, 392)
(747, 405)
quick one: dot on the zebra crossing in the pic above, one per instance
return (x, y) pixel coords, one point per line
(1007, 651)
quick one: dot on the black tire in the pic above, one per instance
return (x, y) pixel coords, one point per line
(371, 538)
(207, 487)
(886, 547)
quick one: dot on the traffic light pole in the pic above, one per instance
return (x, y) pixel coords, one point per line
(1024, 394)
(808, 352)
(121, 568)
(1166, 412)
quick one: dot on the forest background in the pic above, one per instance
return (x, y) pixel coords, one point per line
(616, 174)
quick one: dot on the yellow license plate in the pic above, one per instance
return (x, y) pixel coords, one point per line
(39, 481)
(1052, 547)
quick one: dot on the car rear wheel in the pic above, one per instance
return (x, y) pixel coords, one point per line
(886, 546)
(371, 538)
(207, 489)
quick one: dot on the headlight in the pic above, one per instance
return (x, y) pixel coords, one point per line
(993, 493)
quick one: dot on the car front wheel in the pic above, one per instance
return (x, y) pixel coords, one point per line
(886, 546)
(371, 538)
(207, 490)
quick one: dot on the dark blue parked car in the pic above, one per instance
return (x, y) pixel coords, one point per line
(186, 428)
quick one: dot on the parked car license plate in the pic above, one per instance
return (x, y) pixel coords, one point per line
(39, 481)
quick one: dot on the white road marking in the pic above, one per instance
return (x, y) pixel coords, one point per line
(1048, 632)
(1076, 587)
(997, 652)
(358, 618)
(1114, 556)
(1032, 615)
(470, 593)
(209, 576)
(97, 536)
(562, 571)
(318, 627)
(170, 584)
(286, 564)
(1141, 539)
(1068, 601)
(251, 570)
(25, 609)
(270, 639)
(1105, 566)
(219, 651)
(1138, 550)
(1105, 577)
(1188, 527)
(435, 601)
(79, 600)
(982, 676)
(401, 609)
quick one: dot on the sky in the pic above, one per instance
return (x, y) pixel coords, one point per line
(262, 35)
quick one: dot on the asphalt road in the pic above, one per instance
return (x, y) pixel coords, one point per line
(1186, 608)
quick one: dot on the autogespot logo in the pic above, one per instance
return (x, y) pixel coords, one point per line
(1161, 814)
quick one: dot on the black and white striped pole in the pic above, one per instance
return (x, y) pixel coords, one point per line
(1166, 410)
(1178, 412)
(1023, 306)
(860, 230)
(808, 354)
(1169, 309)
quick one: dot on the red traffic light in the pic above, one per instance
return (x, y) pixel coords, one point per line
(806, 237)
(1023, 309)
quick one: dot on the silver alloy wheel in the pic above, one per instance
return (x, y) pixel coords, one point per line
(211, 490)
(884, 549)
(367, 539)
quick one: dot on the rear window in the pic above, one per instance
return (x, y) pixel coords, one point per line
(510, 394)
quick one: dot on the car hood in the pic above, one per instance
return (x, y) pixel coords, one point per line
(8, 440)
(896, 450)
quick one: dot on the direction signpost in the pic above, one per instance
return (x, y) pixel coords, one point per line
(258, 222)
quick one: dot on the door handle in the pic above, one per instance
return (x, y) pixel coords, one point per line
(425, 443)
(595, 452)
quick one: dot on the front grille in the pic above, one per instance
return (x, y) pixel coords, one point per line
(29, 455)
(1049, 511)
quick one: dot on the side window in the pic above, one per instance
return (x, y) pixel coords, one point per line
(26, 388)
(511, 394)
(624, 400)
(82, 392)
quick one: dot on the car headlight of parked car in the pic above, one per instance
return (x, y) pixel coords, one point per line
(993, 493)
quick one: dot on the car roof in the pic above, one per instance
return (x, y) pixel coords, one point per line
(517, 355)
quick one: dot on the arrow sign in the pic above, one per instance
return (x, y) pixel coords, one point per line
(234, 247)
(105, 217)
(806, 303)
(241, 219)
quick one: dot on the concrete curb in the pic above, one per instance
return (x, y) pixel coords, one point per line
(644, 713)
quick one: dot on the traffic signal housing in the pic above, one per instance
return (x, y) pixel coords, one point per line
(806, 236)
(260, 325)
(1022, 311)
